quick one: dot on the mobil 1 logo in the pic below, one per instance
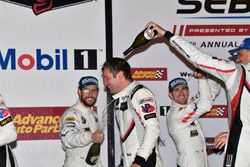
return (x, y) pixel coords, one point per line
(85, 59)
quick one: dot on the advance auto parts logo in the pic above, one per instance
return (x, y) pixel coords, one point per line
(41, 6)
(217, 111)
(37, 123)
(149, 73)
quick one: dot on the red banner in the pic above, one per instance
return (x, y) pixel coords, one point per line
(37, 123)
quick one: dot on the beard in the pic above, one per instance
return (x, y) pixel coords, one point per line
(87, 103)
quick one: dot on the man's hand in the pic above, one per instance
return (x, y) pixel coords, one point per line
(135, 165)
(220, 140)
(97, 136)
(199, 74)
(156, 27)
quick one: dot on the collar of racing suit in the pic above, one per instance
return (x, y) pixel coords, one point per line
(248, 67)
(177, 105)
(126, 90)
(79, 105)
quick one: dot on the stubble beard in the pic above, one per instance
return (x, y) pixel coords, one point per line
(86, 103)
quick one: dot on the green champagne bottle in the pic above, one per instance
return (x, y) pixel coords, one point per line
(141, 39)
(93, 154)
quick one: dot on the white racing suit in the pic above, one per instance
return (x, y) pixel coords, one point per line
(237, 81)
(135, 110)
(7, 135)
(185, 130)
(77, 125)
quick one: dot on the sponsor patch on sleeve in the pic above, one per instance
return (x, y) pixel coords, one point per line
(149, 116)
(87, 129)
(193, 133)
(6, 121)
(146, 100)
(83, 120)
(70, 124)
(70, 118)
(147, 108)
(4, 112)
(226, 61)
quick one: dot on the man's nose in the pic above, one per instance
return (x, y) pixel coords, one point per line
(105, 83)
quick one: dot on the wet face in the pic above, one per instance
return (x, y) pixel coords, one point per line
(111, 82)
(88, 95)
(180, 94)
(243, 56)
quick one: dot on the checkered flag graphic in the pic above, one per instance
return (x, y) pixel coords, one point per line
(220, 111)
(159, 73)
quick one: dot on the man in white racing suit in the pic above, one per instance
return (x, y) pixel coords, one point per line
(79, 126)
(236, 76)
(182, 120)
(7, 135)
(135, 110)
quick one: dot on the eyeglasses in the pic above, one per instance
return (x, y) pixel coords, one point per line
(87, 91)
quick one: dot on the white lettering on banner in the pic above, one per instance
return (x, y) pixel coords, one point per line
(217, 30)
(212, 30)
(243, 29)
(85, 58)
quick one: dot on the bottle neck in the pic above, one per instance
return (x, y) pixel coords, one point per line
(126, 52)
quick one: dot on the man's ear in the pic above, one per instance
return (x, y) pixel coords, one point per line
(170, 96)
(79, 91)
(120, 75)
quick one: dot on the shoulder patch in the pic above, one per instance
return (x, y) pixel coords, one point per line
(70, 118)
(149, 116)
(146, 100)
(4, 112)
(147, 108)
(83, 120)
(135, 90)
(6, 121)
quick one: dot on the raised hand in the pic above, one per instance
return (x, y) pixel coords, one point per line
(160, 31)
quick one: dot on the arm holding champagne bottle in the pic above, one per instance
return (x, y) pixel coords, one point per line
(97, 136)
(141, 39)
(200, 60)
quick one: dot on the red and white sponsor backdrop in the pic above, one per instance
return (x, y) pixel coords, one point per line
(42, 59)
(213, 26)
